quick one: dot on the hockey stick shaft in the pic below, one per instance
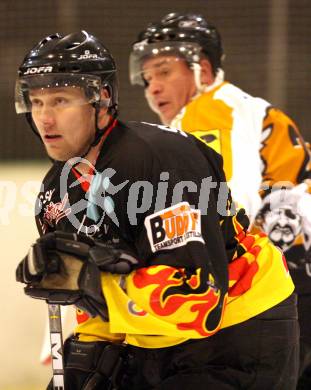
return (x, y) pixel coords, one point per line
(56, 338)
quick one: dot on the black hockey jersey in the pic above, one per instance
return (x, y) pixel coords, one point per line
(159, 192)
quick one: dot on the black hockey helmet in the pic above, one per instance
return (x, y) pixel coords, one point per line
(188, 36)
(78, 59)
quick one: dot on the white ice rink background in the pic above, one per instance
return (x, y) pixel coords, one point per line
(23, 320)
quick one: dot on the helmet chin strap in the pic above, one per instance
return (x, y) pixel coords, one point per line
(99, 133)
(197, 77)
(201, 88)
(32, 125)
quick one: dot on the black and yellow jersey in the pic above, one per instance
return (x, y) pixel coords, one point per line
(162, 193)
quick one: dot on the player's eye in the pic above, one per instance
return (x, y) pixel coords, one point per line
(147, 77)
(164, 71)
(61, 101)
(36, 103)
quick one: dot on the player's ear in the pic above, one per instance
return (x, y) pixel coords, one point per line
(207, 76)
(105, 98)
(104, 94)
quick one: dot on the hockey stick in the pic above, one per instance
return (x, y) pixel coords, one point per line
(56, 338)
(68, 322)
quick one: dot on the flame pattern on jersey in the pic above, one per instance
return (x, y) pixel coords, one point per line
(81, 316)
(257, 269)
(173, 292)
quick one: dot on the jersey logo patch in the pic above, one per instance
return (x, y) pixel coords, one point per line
(173, 227)
(54, 212)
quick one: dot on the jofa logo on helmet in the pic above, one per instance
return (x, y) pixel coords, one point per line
(87, 55)
(39, 69)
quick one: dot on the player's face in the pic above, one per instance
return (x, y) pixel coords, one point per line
(170, 85)
(65, 121)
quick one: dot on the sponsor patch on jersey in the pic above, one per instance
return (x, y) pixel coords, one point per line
(173, 227)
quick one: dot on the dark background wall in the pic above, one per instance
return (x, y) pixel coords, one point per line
(267, 46)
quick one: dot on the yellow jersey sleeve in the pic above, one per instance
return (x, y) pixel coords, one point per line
(284, 154)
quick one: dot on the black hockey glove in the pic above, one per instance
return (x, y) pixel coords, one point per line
(43, 257)
(65, 268)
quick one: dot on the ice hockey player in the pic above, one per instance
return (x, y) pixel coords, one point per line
(138, 230)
